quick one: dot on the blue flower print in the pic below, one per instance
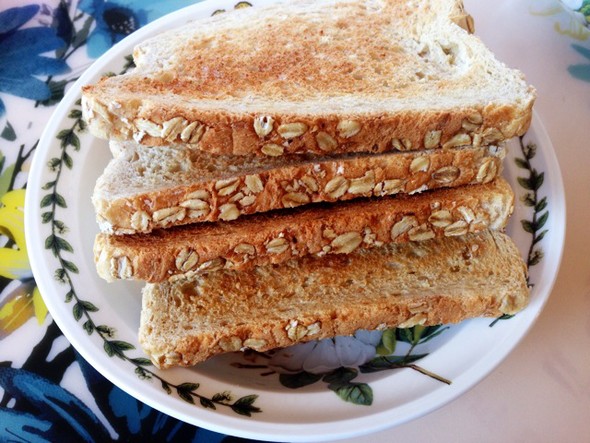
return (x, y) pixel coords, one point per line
(20, 55)
(116, 19)
(44, 411)
(581, 71)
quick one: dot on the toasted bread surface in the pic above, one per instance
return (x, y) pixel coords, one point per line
(315, 76)
(399, 285)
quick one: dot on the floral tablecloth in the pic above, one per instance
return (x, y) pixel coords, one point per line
(47, 391)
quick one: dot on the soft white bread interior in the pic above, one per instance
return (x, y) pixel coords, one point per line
(399, 285)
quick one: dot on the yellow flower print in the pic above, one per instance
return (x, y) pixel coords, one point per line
(20, 299)
(22, 303)
(14, 261)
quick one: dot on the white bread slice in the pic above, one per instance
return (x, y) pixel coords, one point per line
(159, 187)
(319, 229)
(315, 76)
(400, 285)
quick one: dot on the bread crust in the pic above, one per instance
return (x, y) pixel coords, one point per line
(276, 237)
(195, 194)
(186, 322)
(229, 133)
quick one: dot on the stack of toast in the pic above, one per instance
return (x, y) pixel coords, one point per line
(308, 169)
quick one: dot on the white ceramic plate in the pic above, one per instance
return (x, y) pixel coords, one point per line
(245, 395)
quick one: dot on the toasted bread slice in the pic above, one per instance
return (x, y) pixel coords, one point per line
(399, 285)
(315, 76)
(159, 187)
(319, 229)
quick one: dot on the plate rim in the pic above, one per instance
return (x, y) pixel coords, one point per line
(233, 425)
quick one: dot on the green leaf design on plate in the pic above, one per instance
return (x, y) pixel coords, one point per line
(186, 396)
(541, 204)
(245, 405)
(185, 391)
(78, 311)
(166, 386)
(532, 183)
(70, 266)
(419, 334)
(206, 403)
(105, 331)
(57, 244)
(388, 342)
(69, 137)
(117, 348)
(357, 393)
(69, 296)
(190, 387)
(340, 376)
(88, 327)
(340, 381)
(141, 361)
(53, 199)
(299, 379)
(222, 397)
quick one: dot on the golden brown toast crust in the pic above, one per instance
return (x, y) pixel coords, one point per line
(203, 187)
(271, 238)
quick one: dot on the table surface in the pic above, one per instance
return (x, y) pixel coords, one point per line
(540, 393)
